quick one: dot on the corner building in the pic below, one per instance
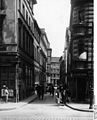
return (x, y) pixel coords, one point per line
(16, 48)
(81, 49)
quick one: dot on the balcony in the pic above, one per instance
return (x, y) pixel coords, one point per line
(78, 30)
(80, 2)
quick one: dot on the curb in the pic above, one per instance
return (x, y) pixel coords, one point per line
(5, 109)
(79, 109)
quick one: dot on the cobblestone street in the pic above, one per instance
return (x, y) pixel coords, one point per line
(45, 109)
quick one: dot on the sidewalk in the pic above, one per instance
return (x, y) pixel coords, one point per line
(12, 105)
(79, 107)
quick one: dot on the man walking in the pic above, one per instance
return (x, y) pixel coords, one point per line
(38, 89)
(42, 91)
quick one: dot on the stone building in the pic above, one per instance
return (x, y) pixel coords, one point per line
(81, 49)
(49, 55)
(21, 60)
(17, 47)
(55, 70)
(44, 45)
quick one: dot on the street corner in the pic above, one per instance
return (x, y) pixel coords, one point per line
(80, 107)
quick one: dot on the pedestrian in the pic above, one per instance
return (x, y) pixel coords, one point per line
(38, 89)
(42, 92)
(52, 90)
(58, 96)
(64, 96)
(6, 94)
(68, 95)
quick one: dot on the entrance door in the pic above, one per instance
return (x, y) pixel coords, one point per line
(81, 88)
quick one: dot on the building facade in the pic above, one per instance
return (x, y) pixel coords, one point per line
(62, 71)
(37, 39)
(49, 55)
(44, 44)
(17, 48)
(65, 62)
(81, 49)
(55, 70)
(23, 49)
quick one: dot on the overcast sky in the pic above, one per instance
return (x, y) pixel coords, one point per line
(54, 16)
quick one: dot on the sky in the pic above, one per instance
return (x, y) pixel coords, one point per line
(54, 16)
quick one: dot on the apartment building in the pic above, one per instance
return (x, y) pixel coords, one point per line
(55, 70)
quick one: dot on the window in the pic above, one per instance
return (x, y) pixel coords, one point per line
(81, 16)
(20, 5)
(20, 33)
(23, 10)
(7, 76)
(26, 40)
(54, 75)
(75, 15)
(27, 16)
(29, 21)
(23, 37)
(1, 4)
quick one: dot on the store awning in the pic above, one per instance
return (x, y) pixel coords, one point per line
(83, 56)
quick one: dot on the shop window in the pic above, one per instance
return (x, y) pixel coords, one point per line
(30, 46)
(7, 76)
(26, 39)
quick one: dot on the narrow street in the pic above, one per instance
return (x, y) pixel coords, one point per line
(45, 109)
